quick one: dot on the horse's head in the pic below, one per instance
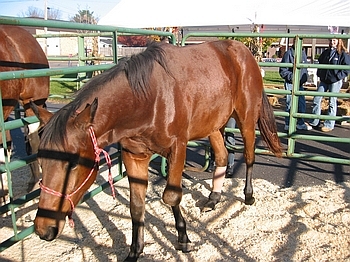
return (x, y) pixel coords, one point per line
(69, 163)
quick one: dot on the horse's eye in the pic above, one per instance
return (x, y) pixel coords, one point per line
(73, 165)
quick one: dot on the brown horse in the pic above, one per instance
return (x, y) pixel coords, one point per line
(155, 102)
(19, 50)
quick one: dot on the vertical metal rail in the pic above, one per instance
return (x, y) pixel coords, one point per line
(291, 135)
(8, 172)
(115, 46)
(295, 98)
(82, 69)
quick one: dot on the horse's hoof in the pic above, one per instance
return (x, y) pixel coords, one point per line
(209, 205)
(32, 186)
(249, 201)
(208, 208)
(184, 247)
(214, 198)
(130, 259)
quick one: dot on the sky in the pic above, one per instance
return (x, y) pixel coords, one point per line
(68, 8)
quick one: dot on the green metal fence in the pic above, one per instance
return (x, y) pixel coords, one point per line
(291, 135)
(9, 167)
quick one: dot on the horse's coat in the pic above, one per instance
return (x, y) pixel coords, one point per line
(155, 102)
(19, 50)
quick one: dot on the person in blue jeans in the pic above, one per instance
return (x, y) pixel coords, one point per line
(287, 74)
(215, 194)
(330, 80)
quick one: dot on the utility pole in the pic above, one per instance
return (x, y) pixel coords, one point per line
(45, 28)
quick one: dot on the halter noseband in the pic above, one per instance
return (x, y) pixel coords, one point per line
(97, 151)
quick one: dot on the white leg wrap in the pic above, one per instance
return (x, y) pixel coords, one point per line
(2, 155)
(3, 176)
(218, 178)
(33, 128)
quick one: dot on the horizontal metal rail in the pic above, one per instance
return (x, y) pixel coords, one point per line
(114, 31)
(291, 135)
(8, 167)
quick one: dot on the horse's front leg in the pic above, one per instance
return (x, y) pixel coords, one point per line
(137, 170)
(183, 242)
(176, 159)
(173, 192)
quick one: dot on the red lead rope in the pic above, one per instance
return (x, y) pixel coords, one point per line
(98, 151)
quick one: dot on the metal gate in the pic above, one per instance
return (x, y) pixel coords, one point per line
(290, 135)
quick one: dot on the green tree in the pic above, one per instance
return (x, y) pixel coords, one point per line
(257, 45)
(85, 17)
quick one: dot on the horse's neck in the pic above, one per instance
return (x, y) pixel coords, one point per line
(106, 138)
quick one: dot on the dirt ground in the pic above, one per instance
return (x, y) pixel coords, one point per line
(298, 223)
(302, 213)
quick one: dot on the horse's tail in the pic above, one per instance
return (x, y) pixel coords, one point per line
(268, 128)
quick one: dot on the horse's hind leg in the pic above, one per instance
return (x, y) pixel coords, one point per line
(217, 143)
(5, 155)
(137, 170)
(248, 135)
(32, 147)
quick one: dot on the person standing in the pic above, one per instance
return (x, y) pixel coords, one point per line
(287, 74)
(330, 80)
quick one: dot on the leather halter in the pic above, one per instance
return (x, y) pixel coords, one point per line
(97, 151)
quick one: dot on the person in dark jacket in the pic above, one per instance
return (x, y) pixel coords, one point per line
(287, 74)
(330, 80)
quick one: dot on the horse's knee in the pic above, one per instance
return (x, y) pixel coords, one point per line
(172, 195)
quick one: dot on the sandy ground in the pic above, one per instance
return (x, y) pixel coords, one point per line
(304, 223)
(302, 213)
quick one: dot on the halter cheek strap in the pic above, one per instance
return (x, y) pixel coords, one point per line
(97, 151)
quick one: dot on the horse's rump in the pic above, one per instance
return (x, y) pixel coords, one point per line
(20, 51)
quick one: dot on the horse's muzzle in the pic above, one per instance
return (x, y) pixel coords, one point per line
(50, 234)
(49, 224)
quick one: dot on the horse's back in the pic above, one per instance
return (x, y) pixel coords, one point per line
(18, 45)
(212, 79)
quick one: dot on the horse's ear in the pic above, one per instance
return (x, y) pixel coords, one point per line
(86, 117)
(41, 113)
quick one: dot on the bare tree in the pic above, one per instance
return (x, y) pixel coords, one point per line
(33, 12)
(52, 14)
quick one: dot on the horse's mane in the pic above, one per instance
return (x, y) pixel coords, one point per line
(138, 69)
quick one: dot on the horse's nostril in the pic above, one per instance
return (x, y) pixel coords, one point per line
(51, 234)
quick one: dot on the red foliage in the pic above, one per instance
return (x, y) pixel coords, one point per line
(134, 40)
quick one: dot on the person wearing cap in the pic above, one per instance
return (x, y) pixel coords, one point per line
(330, 80)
